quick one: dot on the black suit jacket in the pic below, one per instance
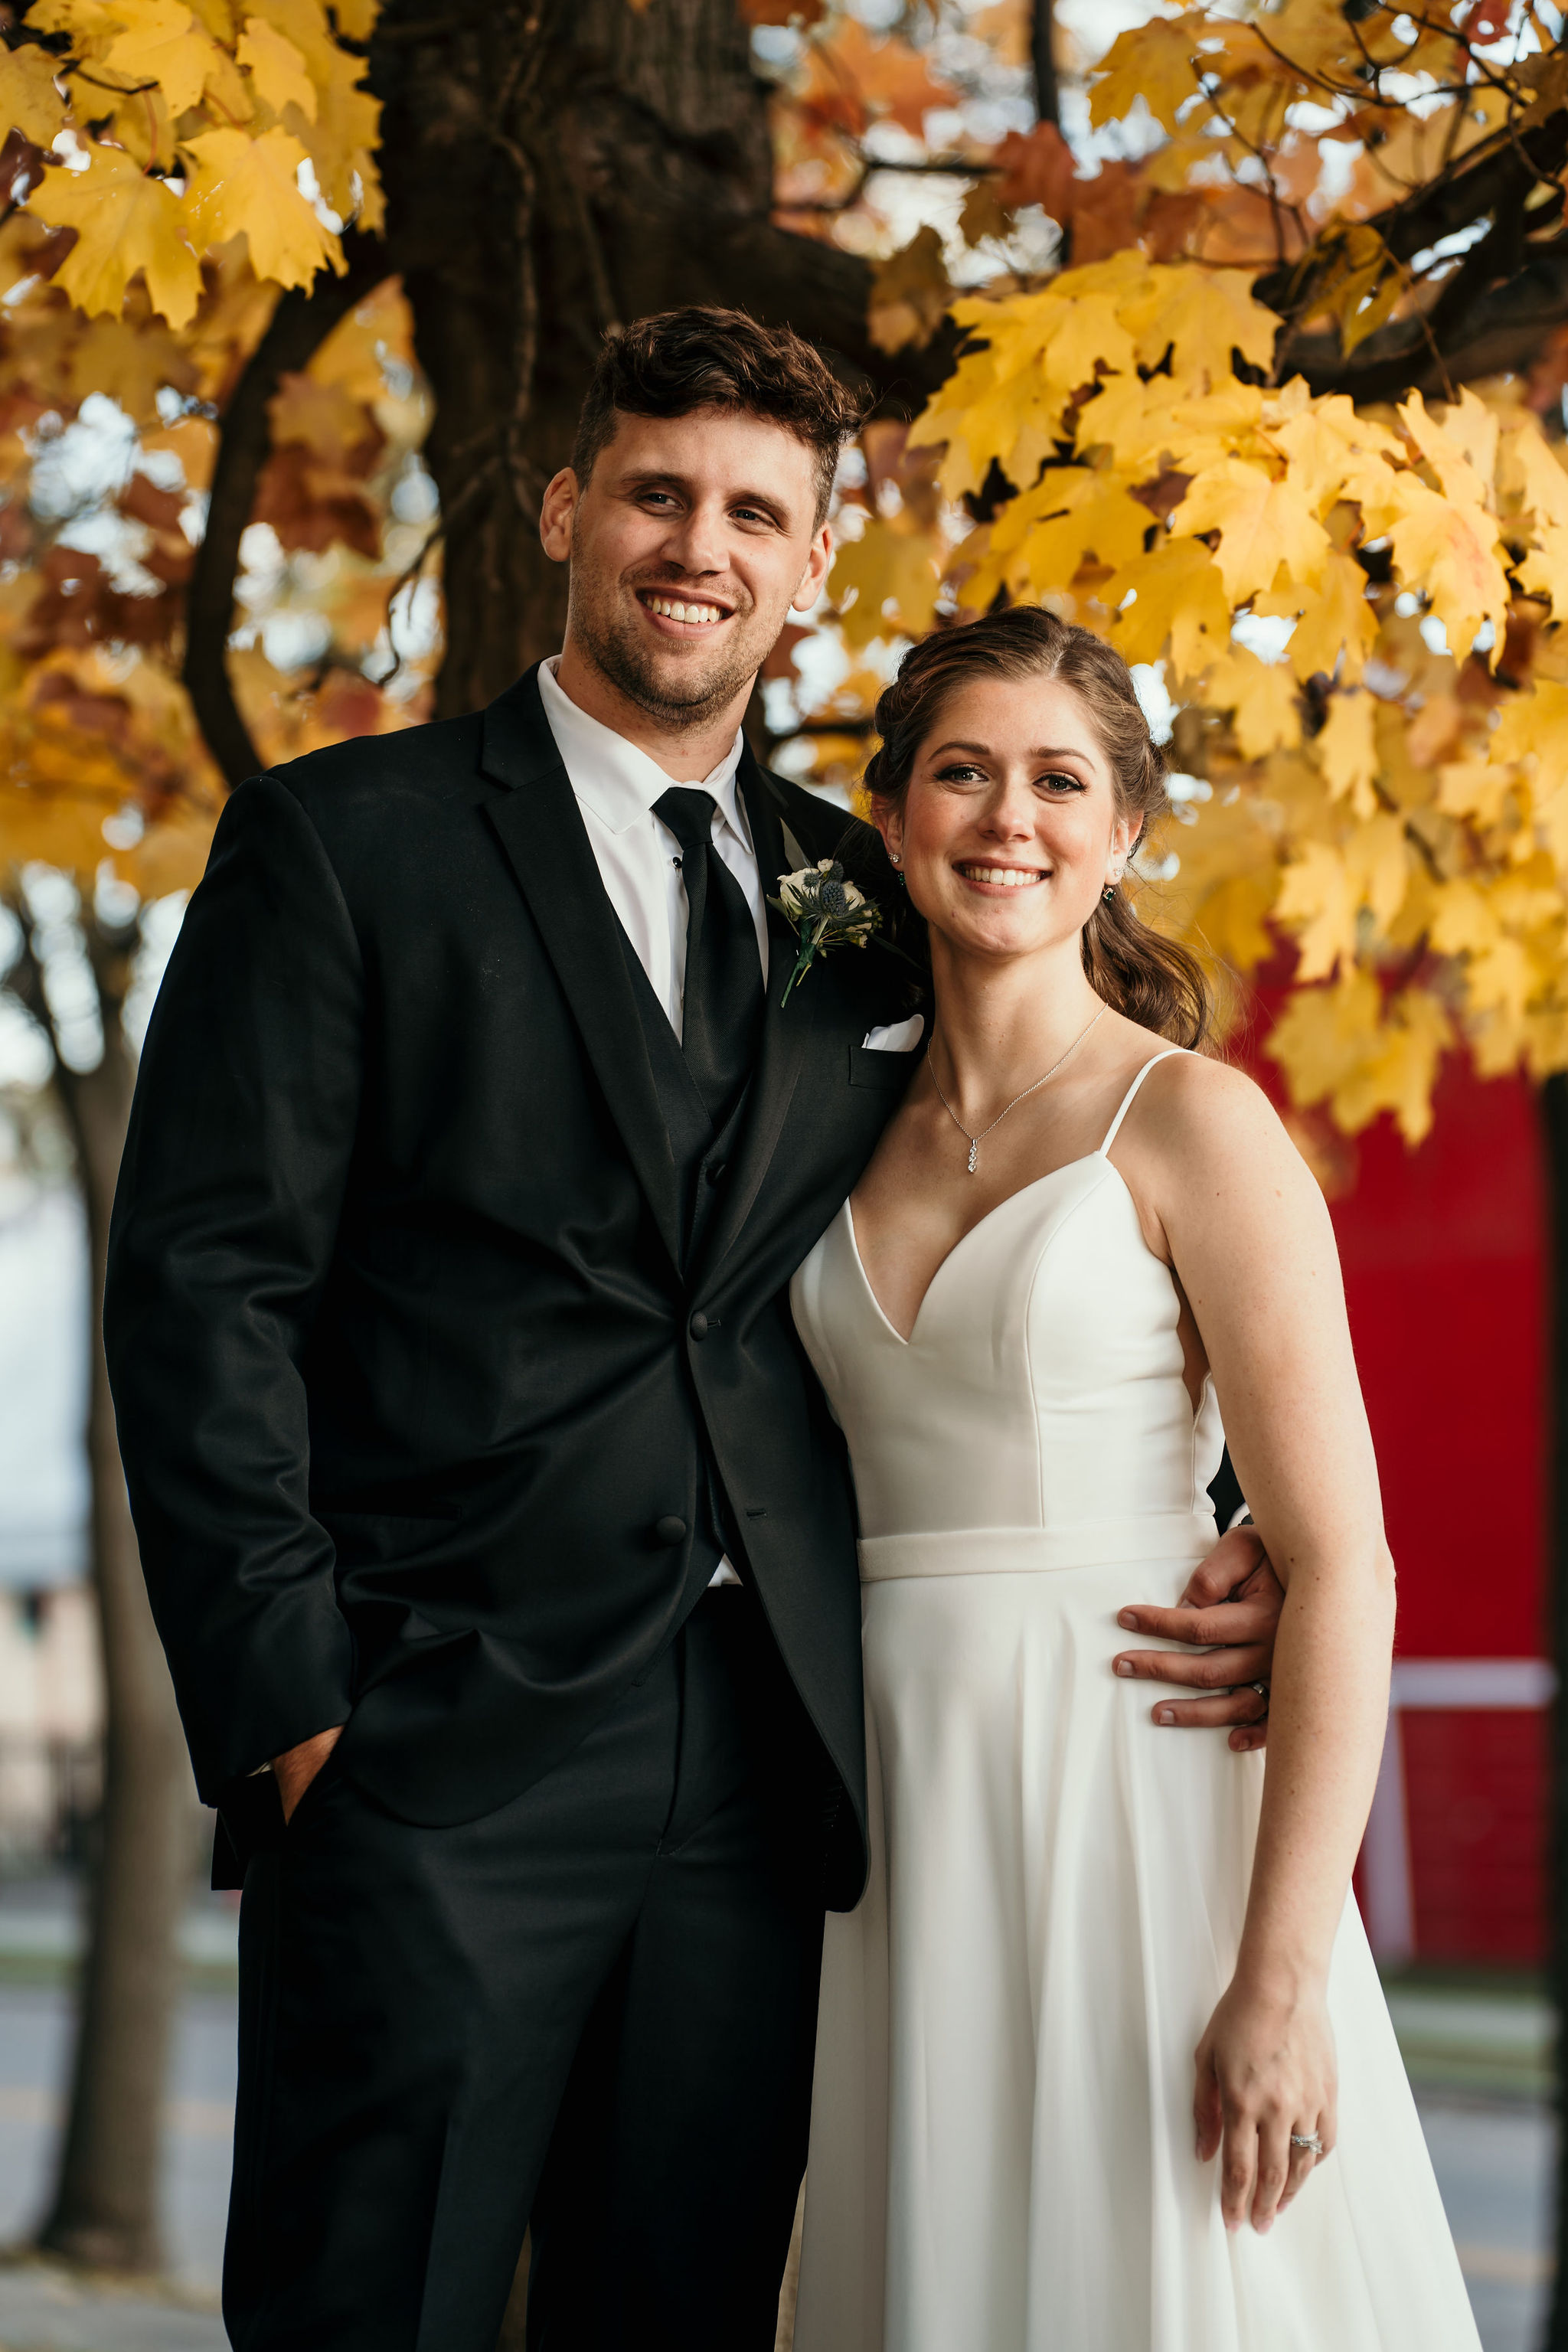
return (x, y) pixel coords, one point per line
(408, 1372)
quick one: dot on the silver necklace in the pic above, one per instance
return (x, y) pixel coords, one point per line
(974, 1142)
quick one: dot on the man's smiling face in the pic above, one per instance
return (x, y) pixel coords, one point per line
(690, 543)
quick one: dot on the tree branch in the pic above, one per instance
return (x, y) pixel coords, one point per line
(1043, 56)
(1497, 184)
(1503, 330)
(300, 323)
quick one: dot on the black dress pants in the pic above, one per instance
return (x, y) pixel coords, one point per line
(596, 2006)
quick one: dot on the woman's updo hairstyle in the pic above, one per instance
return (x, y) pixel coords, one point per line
(1149, 978)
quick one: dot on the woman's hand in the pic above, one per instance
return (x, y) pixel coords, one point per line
(1265, 2069)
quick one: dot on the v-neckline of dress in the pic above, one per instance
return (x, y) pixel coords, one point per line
(1034, 1185)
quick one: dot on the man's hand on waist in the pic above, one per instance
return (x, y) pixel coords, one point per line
(1231, 1611)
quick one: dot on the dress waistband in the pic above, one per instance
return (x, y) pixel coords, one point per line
(994, 1551)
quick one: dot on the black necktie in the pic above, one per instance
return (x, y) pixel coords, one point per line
(723, 992)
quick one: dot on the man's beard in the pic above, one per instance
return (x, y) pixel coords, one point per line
(619, 652)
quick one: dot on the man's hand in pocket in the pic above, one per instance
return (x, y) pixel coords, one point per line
(297, 1767)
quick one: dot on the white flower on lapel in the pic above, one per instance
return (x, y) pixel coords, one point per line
(826, 911)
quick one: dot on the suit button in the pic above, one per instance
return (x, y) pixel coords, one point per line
(669, 1530)
(697, 1327)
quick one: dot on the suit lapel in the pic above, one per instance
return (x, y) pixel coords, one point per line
(540, 829)
(789, 1036)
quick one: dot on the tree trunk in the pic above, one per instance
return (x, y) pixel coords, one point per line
(551, 169)
(1554, 1122)
(106, 2204)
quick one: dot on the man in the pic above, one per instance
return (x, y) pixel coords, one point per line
(483, 1490)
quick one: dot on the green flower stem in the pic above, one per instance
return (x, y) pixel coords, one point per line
(809, 943)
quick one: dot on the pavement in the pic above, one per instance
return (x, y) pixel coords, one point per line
(1479, 2058)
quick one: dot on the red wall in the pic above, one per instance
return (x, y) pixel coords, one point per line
(1443, 1250)
(1445, 1263)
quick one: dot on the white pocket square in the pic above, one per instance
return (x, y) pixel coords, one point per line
(901, 1037)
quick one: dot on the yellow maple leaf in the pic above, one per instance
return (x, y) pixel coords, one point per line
(1472, 788)
(1262, 525)
(1180, 597)
(1223, 422)
(1462, 450)
(341, 141)
(1545, 572)
(132, 364)
(277, 68)
(1233, 919)
(1088, 334)
(1464, 922)
(302, 22)
(245, 186)
(996, 397)
(1449, 548)
(1338, 620)
(125, 223)
(163, 43)
(1319, 902)
(84, 20)
(1533, 729)
(1075, 511)
(1533, 474)
(1377, 860)
(1399, 1074)
(356, 18)
(1321, 1037)
(1129, 418)
(1325, 441)
(1199, 316)
(885, 567)
(1347, 750)
(29, 102)
(1262, 695)
(1503, 978)
(1153, 61)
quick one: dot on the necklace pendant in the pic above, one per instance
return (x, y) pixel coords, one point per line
(973, 1157)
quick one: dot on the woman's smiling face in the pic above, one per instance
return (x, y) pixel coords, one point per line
(1010, 827)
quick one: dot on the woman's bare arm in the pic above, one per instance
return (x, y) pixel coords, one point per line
(1218, 1180)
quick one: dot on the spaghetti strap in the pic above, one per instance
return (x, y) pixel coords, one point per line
(1127, 1099)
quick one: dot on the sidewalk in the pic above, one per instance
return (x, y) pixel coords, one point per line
(1471, 2037)
(1479, 2055)
(44, 2310)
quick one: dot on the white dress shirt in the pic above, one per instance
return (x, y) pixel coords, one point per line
(639, 857)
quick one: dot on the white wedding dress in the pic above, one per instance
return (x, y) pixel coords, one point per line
(1002, 2144)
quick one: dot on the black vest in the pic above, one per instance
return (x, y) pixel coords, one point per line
(701, 1153)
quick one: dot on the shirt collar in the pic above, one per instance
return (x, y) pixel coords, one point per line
(615, 778)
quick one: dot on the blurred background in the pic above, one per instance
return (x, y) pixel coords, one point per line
(296, 306)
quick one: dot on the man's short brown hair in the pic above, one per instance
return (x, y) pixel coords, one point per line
(703, 357)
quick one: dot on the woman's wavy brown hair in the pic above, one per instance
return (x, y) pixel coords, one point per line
(1149, 978)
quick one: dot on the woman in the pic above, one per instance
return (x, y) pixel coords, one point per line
(1079, 1240)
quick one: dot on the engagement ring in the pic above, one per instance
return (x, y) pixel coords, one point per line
(1307, 2139)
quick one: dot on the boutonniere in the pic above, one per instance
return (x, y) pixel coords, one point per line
(826, 911)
